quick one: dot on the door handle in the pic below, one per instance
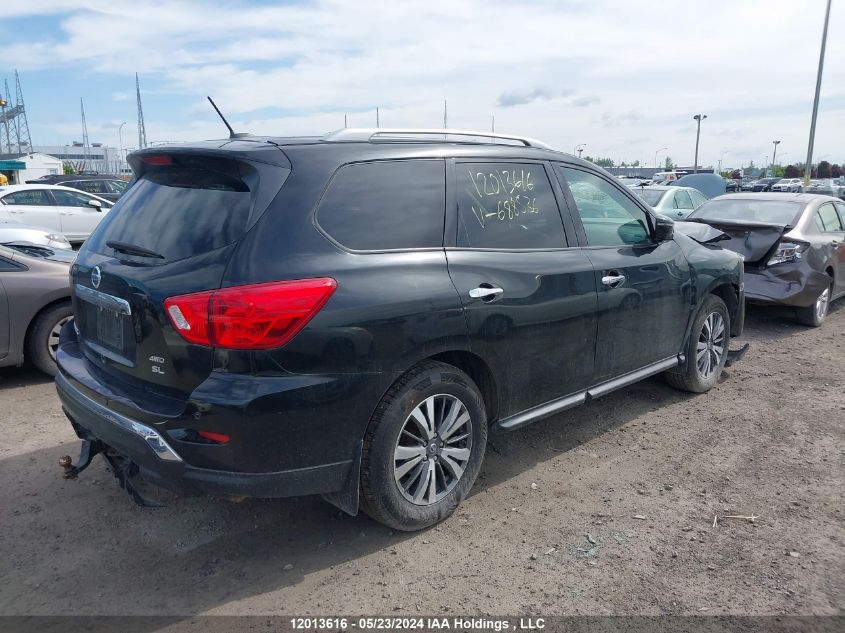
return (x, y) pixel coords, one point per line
(485, 292)
(614, 281)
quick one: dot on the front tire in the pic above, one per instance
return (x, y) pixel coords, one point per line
(707, 349)
(423, 448)
(815, 315)
(43, 338)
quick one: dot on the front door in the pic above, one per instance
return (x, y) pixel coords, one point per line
(644, 287)
(529, 298)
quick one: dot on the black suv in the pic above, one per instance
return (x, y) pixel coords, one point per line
(347, 315)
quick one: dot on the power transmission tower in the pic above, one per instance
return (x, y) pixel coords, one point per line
(13, 124)
(85, 150)
(142, 133)
(24, 139)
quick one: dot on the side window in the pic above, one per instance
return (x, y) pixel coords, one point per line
(683, 200)
(507, 206)
(698, 198)
(9, 266)
(71, 199)
(117, 186)
(817, 221)
(840, 207)
(609, 217)
(386, 205)
(28, 197)
(89, 186)
(829, 218)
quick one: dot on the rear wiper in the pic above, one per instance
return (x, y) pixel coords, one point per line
(132, 249)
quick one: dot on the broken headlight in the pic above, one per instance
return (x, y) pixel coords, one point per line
(788, 252)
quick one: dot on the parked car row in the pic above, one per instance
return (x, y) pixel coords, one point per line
(101, 185)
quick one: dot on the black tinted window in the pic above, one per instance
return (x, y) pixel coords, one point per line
(386, 205)
(507, 206)
(179, 211)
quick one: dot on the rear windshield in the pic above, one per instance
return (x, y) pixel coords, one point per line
(650, 196)
(747, 210)
(179, 211)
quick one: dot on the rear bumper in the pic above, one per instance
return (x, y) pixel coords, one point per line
(791, 284)
(159, 462)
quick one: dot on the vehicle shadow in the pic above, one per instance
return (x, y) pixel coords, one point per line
(196, 554)
(25, 376)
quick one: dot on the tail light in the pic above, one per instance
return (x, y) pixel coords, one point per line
(788, 252)
(257, 316)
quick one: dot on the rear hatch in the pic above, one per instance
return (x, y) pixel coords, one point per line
(171, 234)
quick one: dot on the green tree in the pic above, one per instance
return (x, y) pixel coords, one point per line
(636, 163)
(824, 169)
(836, 171)
(68, 169)
(668, 164)
(790, 171)
(604, 162)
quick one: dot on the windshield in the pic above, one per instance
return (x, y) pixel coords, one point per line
(746, 210)
(650, 196)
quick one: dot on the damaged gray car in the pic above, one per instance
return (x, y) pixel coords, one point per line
(793, 246)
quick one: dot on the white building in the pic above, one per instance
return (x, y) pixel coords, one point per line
(100, 158)
(30, 166)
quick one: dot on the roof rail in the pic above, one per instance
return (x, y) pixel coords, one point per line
(394, 135)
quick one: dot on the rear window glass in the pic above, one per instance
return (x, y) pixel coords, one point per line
(750, 210)
(386, 205)
(179, 211)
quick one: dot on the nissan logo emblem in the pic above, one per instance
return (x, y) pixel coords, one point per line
(96, 277)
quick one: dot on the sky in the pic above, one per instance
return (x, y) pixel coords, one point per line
(622, 78)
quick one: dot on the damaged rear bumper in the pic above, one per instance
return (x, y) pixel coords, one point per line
(160, 464)
(790, 284)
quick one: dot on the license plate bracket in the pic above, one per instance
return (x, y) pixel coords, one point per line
(110, 329)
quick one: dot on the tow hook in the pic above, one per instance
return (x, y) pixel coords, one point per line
(121, 467)
(736, 355)
(90, 448)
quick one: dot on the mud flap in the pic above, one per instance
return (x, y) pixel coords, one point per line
(347, 498)
(121, 467)
(735, 356)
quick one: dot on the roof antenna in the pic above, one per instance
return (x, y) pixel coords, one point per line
(232, 133)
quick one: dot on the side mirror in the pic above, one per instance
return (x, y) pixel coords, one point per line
(96, 204)
(664, 228)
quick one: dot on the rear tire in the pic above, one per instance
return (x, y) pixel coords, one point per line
(815, 315)
(421, 455)
(43, 338)
(707, 349)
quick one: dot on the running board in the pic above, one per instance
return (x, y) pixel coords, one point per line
(567, 402)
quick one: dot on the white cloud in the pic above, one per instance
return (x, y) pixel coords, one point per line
(750, 66)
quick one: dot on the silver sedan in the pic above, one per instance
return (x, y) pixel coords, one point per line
(674, 202)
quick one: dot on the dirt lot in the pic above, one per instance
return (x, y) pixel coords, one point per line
(606, 509)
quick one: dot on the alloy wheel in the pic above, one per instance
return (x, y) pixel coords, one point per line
(822, 304)
(711, 345)
(433, 449)
(53, 338)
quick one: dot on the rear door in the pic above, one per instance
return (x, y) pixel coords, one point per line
(832, 215)
(172, 234)
(644, 289)
(529, 296)
(78, 216)
(32, 206)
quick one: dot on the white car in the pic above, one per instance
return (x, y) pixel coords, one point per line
(674, 202)
(59, 209)
(17, 233)
(788, 184)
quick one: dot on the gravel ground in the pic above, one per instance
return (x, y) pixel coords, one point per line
(605, 509)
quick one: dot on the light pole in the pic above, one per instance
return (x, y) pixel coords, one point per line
(698, 118)
(775, 153)
(122, 157)
(580, 148)
(808, 170)
(655, 154)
